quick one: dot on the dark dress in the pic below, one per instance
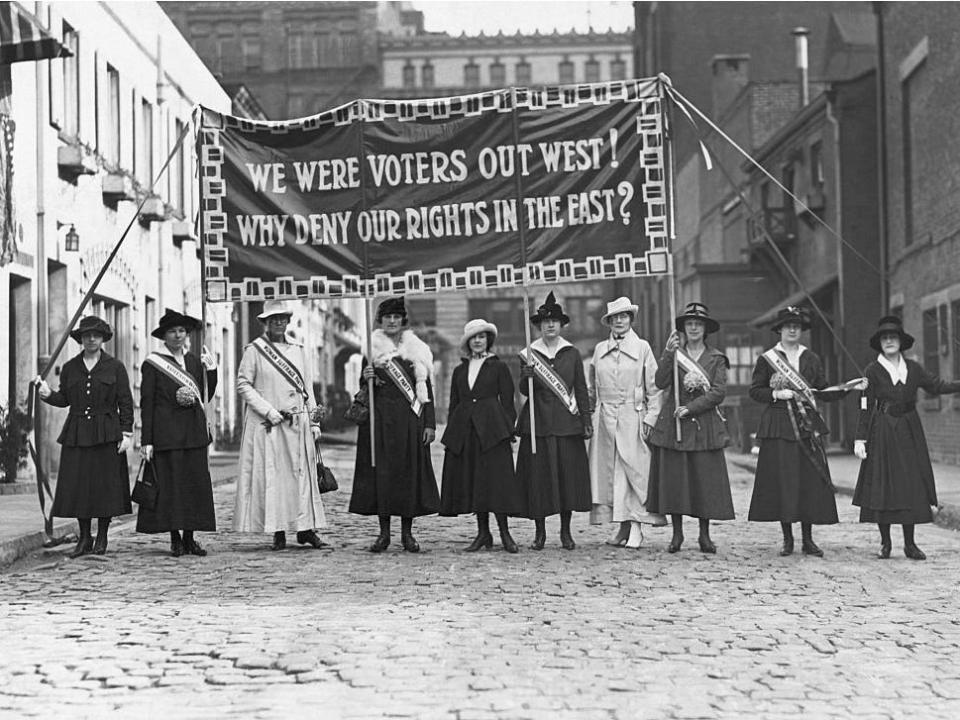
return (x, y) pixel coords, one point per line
(478, 471)
(690, 477)
(93, 479)
(896, 483)
(403, 482)
(556, 478)
(789, 486)
(180, 437)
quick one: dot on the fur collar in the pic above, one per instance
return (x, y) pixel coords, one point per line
(410, 348)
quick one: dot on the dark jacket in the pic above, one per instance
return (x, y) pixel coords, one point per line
(165, 424)
(100, 402)
(703, 428)
(552, 417)
(487, 407)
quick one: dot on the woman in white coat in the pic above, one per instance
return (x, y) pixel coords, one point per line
(277, 490)
(627, 400)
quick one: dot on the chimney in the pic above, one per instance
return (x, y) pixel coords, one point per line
(803, 65)
(730, 75)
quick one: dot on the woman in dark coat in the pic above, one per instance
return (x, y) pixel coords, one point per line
(478, 472)
(896, 478)
(688, 476)
(792, 482)
(557, 477)
(93, 480)
(402, 483)
(174, 436)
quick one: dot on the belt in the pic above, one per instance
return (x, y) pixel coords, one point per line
(896, 409)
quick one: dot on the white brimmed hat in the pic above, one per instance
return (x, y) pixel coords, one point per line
(274, 307)
(475, 327)
(620, 305)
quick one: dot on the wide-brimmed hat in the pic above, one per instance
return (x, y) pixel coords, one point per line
(275, 307)
(550, 310)
(475, 327)
(891, 325)
(392, 306)
(697, 311)
(91, 323)
(171, 318)
(620, 305)
(792, 314)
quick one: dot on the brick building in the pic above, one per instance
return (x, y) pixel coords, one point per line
(921, 104)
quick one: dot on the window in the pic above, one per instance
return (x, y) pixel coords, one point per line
(349, 49)
(177, 195)
(145, 162)
(765, 195)
(116, 315)
(296, 105)
(422, 311)
(910, 112)
(618, 69)
(506, 314)
(787, 179)
(498, 74)
(426, 76)
(566, 72)
(295, 51)
(816, 164)
(71, 83)
(111, 143)
(252, 54)
(955, 344)
(326, 50)
(471, 75)
(409, 75)
(523, 73)
(742, 356)
(931, 349)
(591, 71)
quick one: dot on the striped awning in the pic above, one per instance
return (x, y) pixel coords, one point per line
(22, 37)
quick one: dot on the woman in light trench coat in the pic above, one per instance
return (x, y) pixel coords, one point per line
(627, 400)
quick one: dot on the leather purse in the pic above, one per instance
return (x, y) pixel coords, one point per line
(145, 490)
(359, 410)
(326, 480)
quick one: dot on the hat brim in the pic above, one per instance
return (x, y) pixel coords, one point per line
(465, 340)
(710, 325)
(537, 319)
(632, 309)
(78, 334)
(187, 322)
(276, 313)
(804, 324)
(906, 340)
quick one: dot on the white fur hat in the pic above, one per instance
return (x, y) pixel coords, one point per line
(274, 307)
(475, 327)
(620, 305)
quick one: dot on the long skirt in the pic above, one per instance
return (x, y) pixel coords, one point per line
(92, 482)
(693, 483)
(476, 481)
(557, 478)
(789, 488)
(184, 493)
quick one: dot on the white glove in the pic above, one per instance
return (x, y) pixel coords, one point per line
(862, 385)
(274, 417)
(785, 394)
(860, 449)
(124, 443)
(146, 452)
(43, 388)
(315, 431)
(207, 360)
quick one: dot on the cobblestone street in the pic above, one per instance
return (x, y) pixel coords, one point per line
(598, 632)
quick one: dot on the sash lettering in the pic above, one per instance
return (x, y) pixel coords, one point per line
(548, 376)
(282, 365)
(793, 377)
(176, 373)
(692, 367)
(395, 372)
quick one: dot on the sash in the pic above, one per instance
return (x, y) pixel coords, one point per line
(692, 367)
(173, 371)
(795, 378)
(548, 376)
(288, 371)
(395, 372)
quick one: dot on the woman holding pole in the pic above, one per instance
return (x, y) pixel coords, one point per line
(557, 476)
(688, 474)
(402, 482)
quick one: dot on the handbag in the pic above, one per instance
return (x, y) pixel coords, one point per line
(359, 411)
(145, 491)
(326, 480)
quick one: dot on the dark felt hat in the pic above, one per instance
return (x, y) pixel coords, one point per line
(91, 323)
(392, 306)
(171, 318)
(697, 311)
(792, 314)
(891, 325)
(550, 310)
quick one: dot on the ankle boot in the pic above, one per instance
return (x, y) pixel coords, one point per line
(176, 544)
(787, 547)
(279, 540)
(706, 544)
(885, 544)
(191, 546)
(505, 539)
(808, 546)
(483, 539)
(383, 539)
(677, 540)
(85, 541)
(100, 546)
(566, 539)
(310, 537)
(540, 534)
(910, 548)
(409, 542)
(635, 538)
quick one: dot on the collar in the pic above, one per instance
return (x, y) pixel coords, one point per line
(541, 347)
(898, 372)
(794, 359)
(630, 345)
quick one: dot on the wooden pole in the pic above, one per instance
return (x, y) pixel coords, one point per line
(672, 199)
(526, 325)
(370, 401)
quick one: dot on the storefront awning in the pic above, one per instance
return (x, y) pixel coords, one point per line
(798, 298)
(22, 38)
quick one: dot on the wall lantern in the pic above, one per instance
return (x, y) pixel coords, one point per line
(71, 242)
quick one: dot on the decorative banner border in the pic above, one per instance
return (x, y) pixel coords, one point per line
(646, 94)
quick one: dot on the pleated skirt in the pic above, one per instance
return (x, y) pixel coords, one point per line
(789, 488)
(92, 482)
(557, 478)
(693, 483)
(477, 481)
(184, 495)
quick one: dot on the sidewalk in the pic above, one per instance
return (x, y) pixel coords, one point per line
(844, 468)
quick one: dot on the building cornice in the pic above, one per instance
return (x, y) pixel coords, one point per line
(434, 41)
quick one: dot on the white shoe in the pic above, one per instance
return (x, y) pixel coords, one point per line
(636, 536)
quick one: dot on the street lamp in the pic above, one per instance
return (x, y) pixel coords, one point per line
(71, 242)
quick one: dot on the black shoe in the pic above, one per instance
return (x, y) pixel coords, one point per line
(787, 547)
(675, 544)
(809, 547)
(539, 540)
(176, 547)
(100, 546)
(409, 542)
(913, 552)
(380, 544)
(84, 546)
(192, 547)
(483, 540)
(509, 545)
(310, 537)
(279, 540)
(706, 545)
(884, 553)
(566, 541)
